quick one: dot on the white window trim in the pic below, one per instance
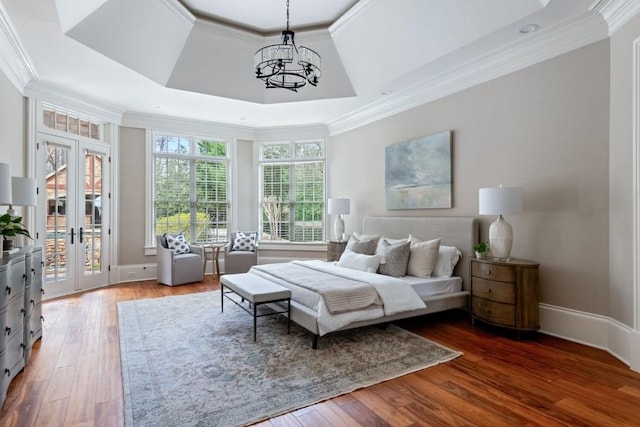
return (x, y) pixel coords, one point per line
(288, 245)
(150, 236)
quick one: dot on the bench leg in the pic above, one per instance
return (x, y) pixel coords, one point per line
(255, 321)
(221, 297)
(314, 343)
(288, 316)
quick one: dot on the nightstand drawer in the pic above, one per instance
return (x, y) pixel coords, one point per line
(502, 273)
(494, 312)
(494, 291)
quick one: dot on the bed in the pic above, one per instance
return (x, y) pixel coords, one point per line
(450, 292)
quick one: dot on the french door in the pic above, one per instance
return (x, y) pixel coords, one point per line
(74, 224)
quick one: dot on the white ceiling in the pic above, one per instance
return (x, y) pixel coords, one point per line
(194, 59)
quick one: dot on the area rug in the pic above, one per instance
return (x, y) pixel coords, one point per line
(184, 363)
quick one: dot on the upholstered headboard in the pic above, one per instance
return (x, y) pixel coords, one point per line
(461, 232)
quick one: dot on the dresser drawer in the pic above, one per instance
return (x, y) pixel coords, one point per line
(494, 291)
(494, 312)
(502, 273)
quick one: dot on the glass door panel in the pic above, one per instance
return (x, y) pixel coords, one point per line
(76, 217)
(59, 196)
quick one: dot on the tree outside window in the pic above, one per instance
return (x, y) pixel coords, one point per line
(191, 187)
(292, 176)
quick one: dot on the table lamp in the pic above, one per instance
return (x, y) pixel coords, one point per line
(5, 184)
(338, 207)
(500, 201)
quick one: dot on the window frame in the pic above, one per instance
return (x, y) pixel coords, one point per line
(292, 160)
(152, 155)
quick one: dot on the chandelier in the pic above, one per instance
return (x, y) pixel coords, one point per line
(285, 65)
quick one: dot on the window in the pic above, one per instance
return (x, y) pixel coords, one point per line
(70, 123)
(292, 189)
(191, 187)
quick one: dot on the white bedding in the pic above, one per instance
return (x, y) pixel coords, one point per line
(433, 286)
(395, 293)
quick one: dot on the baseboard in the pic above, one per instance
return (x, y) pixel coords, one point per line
(136, 272)
(602, 332)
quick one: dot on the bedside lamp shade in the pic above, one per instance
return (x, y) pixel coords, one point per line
(23, 191)
(338, 207)
(500, 201)
(5, 184)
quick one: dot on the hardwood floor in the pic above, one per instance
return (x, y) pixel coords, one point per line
(73, 377)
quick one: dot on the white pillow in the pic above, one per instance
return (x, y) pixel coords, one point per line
(448, 257)
(423, 258)
(354, 261)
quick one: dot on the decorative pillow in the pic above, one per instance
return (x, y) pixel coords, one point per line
(448, 257)
(366, 247)
(380, 248)
(355, 261)
(244, 242)
(367, 236)
(396, 257)
(178, 244)
(424, 256)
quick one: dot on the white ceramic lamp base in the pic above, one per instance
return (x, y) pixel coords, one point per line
(500, 238)
(338, 228)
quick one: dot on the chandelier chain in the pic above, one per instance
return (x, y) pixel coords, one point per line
(287, 15)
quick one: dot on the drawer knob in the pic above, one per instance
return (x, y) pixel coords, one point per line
(7, 330)
(488, 290)
(487, 271)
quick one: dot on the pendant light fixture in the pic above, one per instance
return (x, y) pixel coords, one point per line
(285, 65)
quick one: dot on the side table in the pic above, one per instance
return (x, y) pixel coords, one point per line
(335, 250)
(505, 293)
(211, 253)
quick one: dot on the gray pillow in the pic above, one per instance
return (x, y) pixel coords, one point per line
(397, 258)
(366, 247)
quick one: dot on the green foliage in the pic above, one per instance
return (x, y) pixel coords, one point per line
(12, 226)
(482, 247)
(181, 223)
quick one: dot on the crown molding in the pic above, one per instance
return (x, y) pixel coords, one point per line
(554, 41)
(14, 61)
(357, 9)
(616, 12)
(292, 132)
(178, 8)
(162, 123)
(75, 101)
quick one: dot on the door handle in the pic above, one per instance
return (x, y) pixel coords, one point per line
(81, 234)
(73, 235)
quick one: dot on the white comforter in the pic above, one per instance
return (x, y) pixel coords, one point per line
(396, 296)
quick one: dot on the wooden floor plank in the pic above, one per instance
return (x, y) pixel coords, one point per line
(73, 377)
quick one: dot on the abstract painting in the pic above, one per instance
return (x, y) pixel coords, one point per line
(418, 173)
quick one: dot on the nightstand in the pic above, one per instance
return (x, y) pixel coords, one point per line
(335, 250)
(505, 293)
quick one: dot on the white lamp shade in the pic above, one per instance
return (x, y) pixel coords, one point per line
(339, 206)
(5, 184)
(500, 201)
(23, 191)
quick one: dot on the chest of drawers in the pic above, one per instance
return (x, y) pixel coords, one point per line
(505, 293)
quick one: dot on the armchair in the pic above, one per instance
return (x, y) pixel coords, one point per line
(178, 269)
(244, 257)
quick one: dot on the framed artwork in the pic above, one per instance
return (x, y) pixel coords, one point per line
(418, 173)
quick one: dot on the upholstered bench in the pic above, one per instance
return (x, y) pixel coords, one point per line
(256, 291)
